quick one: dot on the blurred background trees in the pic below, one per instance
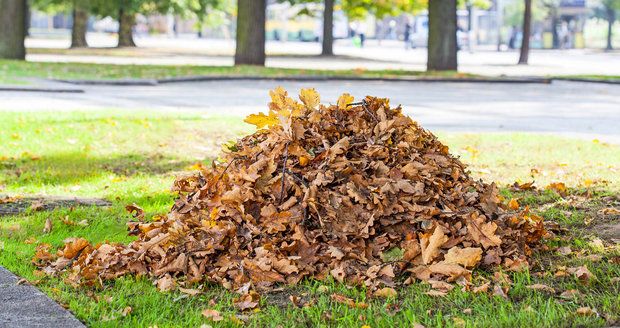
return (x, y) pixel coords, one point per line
(12, 28)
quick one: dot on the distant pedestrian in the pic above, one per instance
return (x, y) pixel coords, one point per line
(407, 36)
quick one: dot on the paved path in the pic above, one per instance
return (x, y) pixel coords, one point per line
(390, 54)
(24, 306)
(567, 108)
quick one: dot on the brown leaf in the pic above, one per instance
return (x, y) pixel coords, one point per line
(586, 311)
(468, 257)
(165, 283)
(431, 244)
(247, 301)
(48, 226)
(214, 315)
(541, 287)
(338, 298)
(385, 292)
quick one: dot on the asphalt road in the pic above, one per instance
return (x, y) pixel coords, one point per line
(584, 110)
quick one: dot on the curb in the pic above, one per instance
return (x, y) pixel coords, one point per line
(206, 78)
(570, 79)
(39, 89)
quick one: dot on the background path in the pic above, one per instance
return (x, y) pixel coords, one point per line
(585, 110)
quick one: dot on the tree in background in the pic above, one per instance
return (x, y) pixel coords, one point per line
(12, 29)
(608, 10)
(442, 43)
(207, 12)
(527, 27)
(80, 11)
(250, 49)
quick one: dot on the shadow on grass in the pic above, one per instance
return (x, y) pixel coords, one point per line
(73, 168)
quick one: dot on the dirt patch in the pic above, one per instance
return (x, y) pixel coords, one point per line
(16, 205)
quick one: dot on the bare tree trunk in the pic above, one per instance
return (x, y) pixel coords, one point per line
(328, 28)
(525, 40)
(12, 29)
(442, 46)
(250, 32)
(611, 18)
(126, 21)
(80, 24)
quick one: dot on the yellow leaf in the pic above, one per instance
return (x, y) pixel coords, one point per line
(513, 204)
(309, 97)
(278, 97)
(344, 100)
(303, 160)
(386, 292)
(261, 120)
(468, 256)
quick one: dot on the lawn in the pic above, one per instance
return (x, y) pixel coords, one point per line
(133, 157)
(19, 72)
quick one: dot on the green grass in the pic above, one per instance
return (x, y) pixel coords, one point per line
(11, 71)
(593, 77)
(129, 157)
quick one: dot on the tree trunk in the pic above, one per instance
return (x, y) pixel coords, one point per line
(525, 40)
(125, 28)
(442, 44)
(328, 28)
(78, 32)
(611, 18)
(12, 29)
(250, 32)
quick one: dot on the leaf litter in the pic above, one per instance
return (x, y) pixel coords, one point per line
(359, 192)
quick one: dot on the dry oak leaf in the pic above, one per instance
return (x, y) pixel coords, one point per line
(189, 291)
(247, 301)
(73, 248)
(559, 187)
(467, 257)
(338, 298)
(431, 244)
(386, 292)
(542, 287)
(214, 315)
(436, 293)
(585, 311)
(582, 273)
(261, 120)
(482, 288)
(48, 226)
(309, 97)
(513, 204)
(165, 283)
(571, 293)
(483, 232)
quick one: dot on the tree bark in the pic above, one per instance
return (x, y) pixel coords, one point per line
(250, 48)
(442, 43)
(12, 29)
(611, 18)
(126, 22)
(525, 40)
(80, 24)
(328, 28)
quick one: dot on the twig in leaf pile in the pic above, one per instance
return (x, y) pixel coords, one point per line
(364, 105)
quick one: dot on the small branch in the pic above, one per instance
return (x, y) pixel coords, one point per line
(283, 172)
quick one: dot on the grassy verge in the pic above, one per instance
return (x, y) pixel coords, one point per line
(12, 71)
(612, 78)
(133, 157)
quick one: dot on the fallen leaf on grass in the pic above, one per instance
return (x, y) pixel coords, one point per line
(558, 187)
(126, 311)
(586, 311)
(582, 273)
(386, 292)
(165, 283)
(565, 250)
(214, 315)
(609, 211)
(37, 205)
(247, 301)
(338, 298)
(48, 226)
(482, 288)
(513, 204)
(189, 291)
(571, 293)
(467, 257)
(436, 293)
(542, 288)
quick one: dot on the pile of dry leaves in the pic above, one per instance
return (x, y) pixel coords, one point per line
(359, 192)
